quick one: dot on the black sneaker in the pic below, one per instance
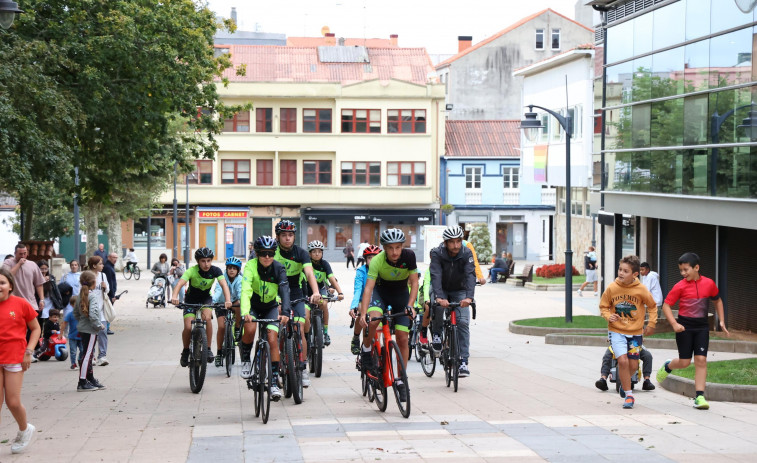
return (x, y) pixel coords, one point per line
(366, 360)
(355, 346)
(211, 357)
(85, 387)
(403, 392)
(601, 384)
(184, 358)
(97, 384)
(326, 339)
(648, 386)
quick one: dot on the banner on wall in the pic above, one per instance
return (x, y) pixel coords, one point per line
(222, 214)
(540, 163)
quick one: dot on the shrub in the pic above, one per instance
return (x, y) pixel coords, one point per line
(553, 271)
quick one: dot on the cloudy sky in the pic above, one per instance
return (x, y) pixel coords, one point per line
(434, 25)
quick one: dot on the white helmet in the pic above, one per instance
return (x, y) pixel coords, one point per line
(392, 235)
(315, 245)
(453, 232)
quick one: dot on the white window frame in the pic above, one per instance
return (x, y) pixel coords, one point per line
(559, 39)
(543, 39)
(473, 172)
(512, 173)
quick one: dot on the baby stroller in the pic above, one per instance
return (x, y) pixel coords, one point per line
(157, 293)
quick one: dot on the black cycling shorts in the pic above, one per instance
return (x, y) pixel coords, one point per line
(267, 314)
(190, 312)
(692, 341)
(396, 298)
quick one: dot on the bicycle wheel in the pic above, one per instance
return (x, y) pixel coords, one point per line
(199, 359)
(454, 357)
(254, 381)
(284, 368)
(294, 373)
(135, 272)
(266, 381)
(127, 273)
(228, 348)
(428, 363)
(377, 384)
(297, 389)
(399, 374)
(317, 330)
(444, 358)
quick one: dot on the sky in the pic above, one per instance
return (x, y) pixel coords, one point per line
(433, 25)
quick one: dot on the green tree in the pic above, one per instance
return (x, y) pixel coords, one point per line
(481, 240)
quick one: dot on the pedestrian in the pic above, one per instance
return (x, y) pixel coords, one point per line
(101, 252)
(651, 280)
(349, 253)
(87, 312)
(109, 269)
(72, 277)
(251, 251)
(692, 328)
(52, 298)
(590, 264)
(96, 266)
(500, 266)
(161, 267)
(174, 275)
(74, 340)
(28, 278)
(17, 316)
(623, 305)
(360, 251)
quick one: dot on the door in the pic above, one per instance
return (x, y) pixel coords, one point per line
(519, 241)
(240, 244)
(229, 240)
(501, 239)
(208, 236)
(369, 231)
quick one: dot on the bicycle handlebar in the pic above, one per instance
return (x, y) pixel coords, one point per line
(184, 305)
(455, 305)
(118, 296)
(394, 315)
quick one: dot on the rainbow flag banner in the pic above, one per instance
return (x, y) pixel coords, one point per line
(540, 163)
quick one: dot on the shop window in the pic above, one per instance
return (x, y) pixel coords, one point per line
(316, 172)
(235, 171)
(361, 121)
(263, 120)
(361, 173)
(156, 234)
(410, 233)
(318, 231)
(264, 176)
(343, 233)
(406, 174)
(288, 172)
(240, 122)
(406, 121)
(202, 175)
(288, 120)
(316, 120)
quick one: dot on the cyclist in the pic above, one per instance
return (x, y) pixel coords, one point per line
(387, 285)
(325, 278)
(264, 280)
(298, 267)
(453, 279)
(234, 282)
(361, 274)
(200, 279)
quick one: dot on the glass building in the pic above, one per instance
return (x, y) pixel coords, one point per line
(678, 157)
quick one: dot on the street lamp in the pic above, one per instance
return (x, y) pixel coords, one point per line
(531, 127)
(186, 223)
(176, 246)
(8, 11)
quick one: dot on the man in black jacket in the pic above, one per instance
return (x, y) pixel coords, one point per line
(453, 279)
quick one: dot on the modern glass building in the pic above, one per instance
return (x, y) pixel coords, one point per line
(678, 157)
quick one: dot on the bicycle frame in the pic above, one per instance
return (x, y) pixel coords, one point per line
(381, 344)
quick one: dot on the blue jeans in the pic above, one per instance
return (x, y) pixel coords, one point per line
(74, 346)
(494, 271)
(463, 323)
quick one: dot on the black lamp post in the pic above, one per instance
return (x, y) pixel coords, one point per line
(531, 127)
(186, 223)
(748, 125)
(176, 246)
(8, 11)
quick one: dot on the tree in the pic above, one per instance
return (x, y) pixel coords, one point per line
(481, 241)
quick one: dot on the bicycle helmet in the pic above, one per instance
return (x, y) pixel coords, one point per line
(265, 243)
(235, 262)
(453, 232)
(392, 235)
(371, 250)
(316, 245)
(203, 253)
(285, 225)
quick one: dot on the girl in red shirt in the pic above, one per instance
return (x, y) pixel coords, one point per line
(16, 316)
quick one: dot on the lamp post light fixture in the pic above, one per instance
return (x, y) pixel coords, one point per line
(531, 127)
(8, 11)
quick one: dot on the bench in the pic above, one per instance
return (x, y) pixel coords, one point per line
(505, 275)
(527, 275)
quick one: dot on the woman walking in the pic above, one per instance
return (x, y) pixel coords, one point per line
(349, 253)
(16, 317)
(87, 310)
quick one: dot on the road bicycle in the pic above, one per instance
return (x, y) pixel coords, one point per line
(290, 366)
(228, 348)
(389, 368)
(449, 357)
(414, 336)
(315, 336)
(198, 345)
(262, 375)
(128, 272)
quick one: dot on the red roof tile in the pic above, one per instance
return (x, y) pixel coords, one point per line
(505, 31)
(323, 41)
(482, 139)
(268, 63)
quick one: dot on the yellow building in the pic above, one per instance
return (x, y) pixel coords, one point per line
(343, 140)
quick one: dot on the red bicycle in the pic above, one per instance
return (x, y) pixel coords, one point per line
(389, 369)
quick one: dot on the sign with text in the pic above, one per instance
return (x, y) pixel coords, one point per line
(222, 214)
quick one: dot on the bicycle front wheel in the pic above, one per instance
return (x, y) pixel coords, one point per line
(199, 359)
(228, 348)
(127, 273)
(266, 378)
(254, 381)
(399, 379)
(428, 362)
(377, 385)
(454, 355)
(135, 272)
(317, 361)
(415, 342)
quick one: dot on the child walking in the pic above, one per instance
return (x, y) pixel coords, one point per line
(622, 305)
(87, 311)
(693, 294)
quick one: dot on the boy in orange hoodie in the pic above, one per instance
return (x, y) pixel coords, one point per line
(622, 305)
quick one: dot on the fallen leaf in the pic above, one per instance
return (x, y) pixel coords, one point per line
(641, 439)
(674, 422)
(444, 423)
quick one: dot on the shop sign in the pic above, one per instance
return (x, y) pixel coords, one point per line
(423, 219)
(222, 214)
(359, 217)
(311, 218)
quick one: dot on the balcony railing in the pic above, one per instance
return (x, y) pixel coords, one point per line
(548, 197)
(473, 196)
(511, 196)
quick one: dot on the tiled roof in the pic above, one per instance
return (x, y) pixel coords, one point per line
(482, 139)
(505, 31)
(321, 41)
(301, 64)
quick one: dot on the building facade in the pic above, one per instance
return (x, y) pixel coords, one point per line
(680, 145)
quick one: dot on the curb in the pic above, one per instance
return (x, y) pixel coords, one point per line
(575, 339)
(715, 391)
(543, 331)
(539, 286)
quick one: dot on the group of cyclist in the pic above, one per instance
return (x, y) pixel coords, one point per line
(283, 272)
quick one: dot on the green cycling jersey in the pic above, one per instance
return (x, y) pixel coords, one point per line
(392, 274)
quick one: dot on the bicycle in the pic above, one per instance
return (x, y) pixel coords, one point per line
(198, 346)
(228, 347)
(315, 337)
(388, 366)
(290, 366)
(415, 334)
(262, 375)
(128, 272)
(449, 358)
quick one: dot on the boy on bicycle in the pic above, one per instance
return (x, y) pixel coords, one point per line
(264, 280)
(297, 262)
(234, 282)
(387, 286)
(325, 278)
(361, 275)
(453, 279)
(200, 279)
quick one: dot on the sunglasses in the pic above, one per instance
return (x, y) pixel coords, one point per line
(266, 253)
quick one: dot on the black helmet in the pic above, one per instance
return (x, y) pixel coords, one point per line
(285, 225)
(204, 253)
(452, 233)
(392, 235)
(265, 243)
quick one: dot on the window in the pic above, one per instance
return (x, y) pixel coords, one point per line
(157, 233)
(288, 172)
(235, 171)
(316, 172)
(318, 231)
(361, 173)
(406, 174)
(511, 176)
(202, 175)
(239, 123)
(410, 233)
(361, 121)
(406, 121)
(575, 113)
(263, 118)
(343, 233)
(544, 134)
(316, 120)
(540, 39)
(264, 176)
(597, 122)
(288, 120)
(555, 39)
(473, 178)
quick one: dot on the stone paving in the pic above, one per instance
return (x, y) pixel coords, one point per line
(525, 401)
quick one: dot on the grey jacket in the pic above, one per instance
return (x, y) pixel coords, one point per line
(450, 274)
(89, 324)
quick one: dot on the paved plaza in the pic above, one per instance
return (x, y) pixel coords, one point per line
(525, 401)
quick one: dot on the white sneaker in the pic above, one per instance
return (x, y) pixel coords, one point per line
(34, 359)
(305, 378)
(596, 293)
(275, 392)
(102, 361)
(24, 438)
(580, 293)
(246, 372)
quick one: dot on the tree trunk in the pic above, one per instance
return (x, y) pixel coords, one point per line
(27, 208)
(91, 226)
(114, 236)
